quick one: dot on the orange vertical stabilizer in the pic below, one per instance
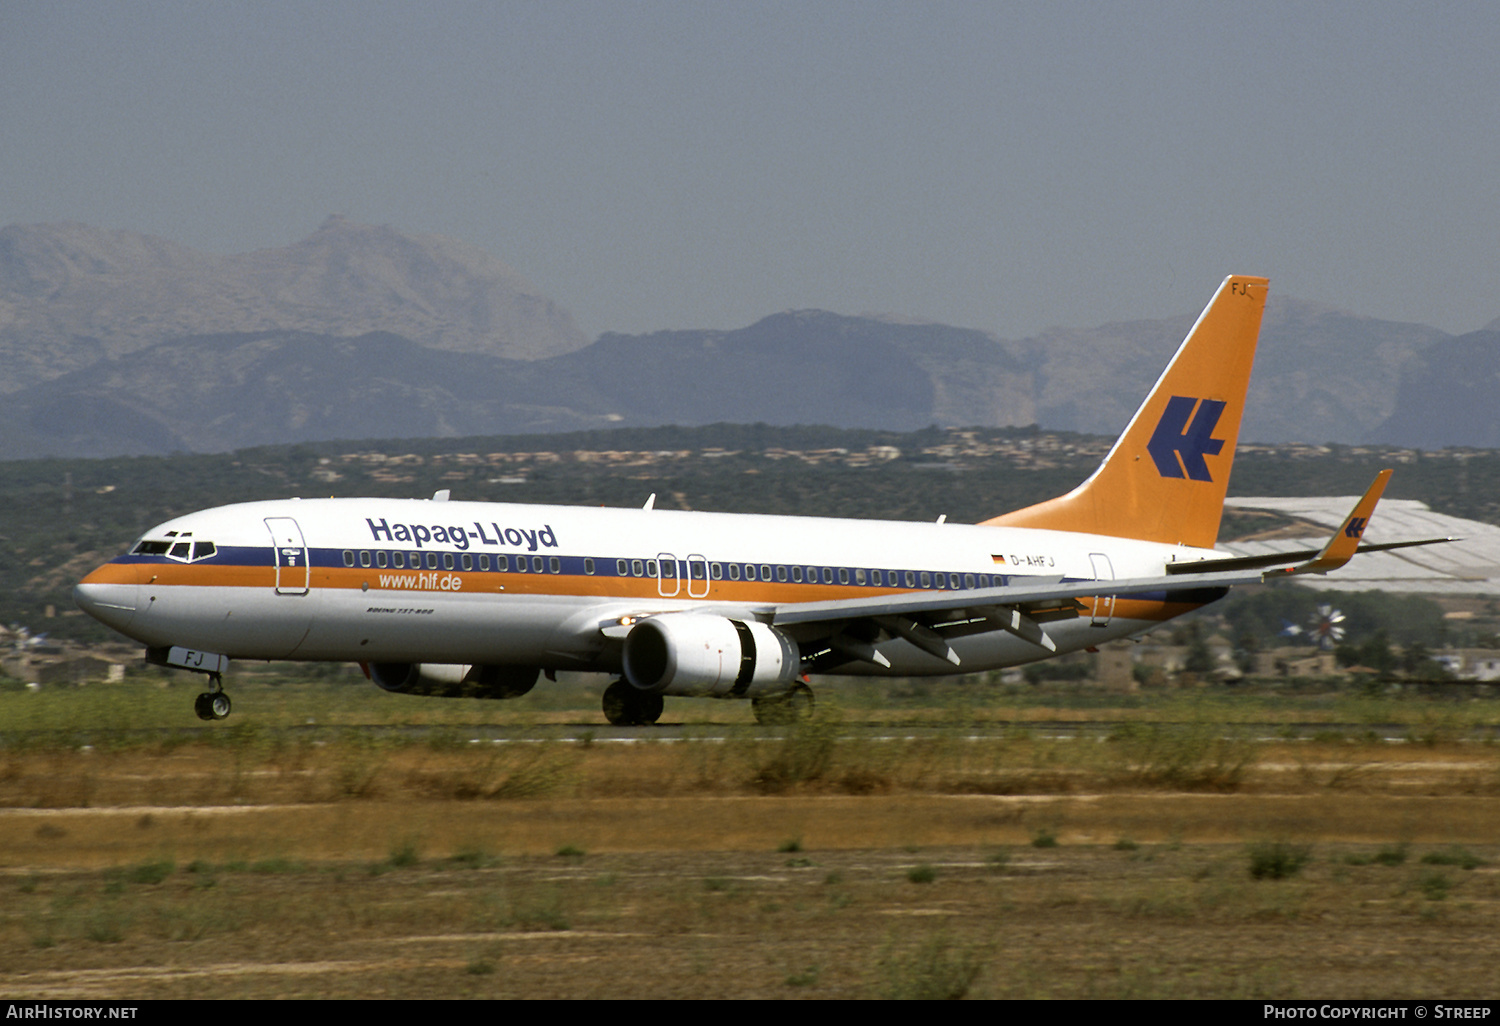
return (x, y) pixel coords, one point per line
(1166, 477)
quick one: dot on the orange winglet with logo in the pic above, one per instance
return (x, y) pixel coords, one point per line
(1345, 542)
(1166, 477)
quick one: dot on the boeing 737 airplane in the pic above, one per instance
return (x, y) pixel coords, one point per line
(448, 599)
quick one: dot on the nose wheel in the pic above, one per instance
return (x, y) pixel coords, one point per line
(213, 704)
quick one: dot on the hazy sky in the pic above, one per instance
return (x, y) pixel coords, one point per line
(678, 165)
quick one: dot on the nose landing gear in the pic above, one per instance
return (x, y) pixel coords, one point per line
(213, 704)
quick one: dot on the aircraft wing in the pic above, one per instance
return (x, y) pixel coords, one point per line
(927, 619)
(1040, 591)
(851, 628)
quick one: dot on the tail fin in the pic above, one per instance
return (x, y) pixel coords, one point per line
(1166, 476)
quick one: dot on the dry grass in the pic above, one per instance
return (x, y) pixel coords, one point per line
(253, 860)
(262, 767)
(1181, 920)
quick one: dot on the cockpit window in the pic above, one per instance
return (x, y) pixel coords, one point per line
(181, 549)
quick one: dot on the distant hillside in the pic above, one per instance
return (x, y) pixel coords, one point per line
(1321, 374)
(114, 343)
(1448, 396)
(213, 393)
(810, 367)
(71, 295)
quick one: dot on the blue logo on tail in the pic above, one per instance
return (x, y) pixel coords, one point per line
(1177, 445)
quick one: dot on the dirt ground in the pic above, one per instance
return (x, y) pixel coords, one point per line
(1157, 921)
(790, 897)
(809, 866)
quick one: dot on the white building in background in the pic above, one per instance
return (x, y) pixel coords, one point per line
(1479, 664)
(1468, 566)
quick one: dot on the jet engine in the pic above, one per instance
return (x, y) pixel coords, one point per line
(452, 680)
(699, 654)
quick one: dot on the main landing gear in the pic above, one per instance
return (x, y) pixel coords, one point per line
(213, 704)
(627, 706)
(789, 707)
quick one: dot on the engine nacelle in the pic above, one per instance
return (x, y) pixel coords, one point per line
(454, 680)
(699, 654)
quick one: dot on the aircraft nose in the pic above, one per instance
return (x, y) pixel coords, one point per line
(111, 601)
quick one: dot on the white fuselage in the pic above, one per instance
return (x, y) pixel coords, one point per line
(423, 581)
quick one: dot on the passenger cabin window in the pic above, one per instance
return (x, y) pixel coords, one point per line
(588, 564)
(467, 562)
(380, 558)
(364, 557)
(554, 564)
(348, 557)
(734, 571)
(398, 560)
(502, 563)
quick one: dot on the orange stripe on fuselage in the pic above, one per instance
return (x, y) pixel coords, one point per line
(207, 575)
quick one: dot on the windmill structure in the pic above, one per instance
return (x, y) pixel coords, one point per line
(1326, 628)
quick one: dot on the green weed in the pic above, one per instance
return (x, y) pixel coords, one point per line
(1278, 860)
(935, 970)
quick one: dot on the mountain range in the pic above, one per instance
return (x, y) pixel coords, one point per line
(114, 343)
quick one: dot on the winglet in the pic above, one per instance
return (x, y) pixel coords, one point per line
(1345, 542)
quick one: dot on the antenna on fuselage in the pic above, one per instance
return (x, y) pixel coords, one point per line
(651, 502)
(441, 495)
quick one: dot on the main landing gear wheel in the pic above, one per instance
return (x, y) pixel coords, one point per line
(626, 706)
(214, 704)
(792, 706)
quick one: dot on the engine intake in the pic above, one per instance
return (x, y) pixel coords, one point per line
(452, 680)
(698, 654)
